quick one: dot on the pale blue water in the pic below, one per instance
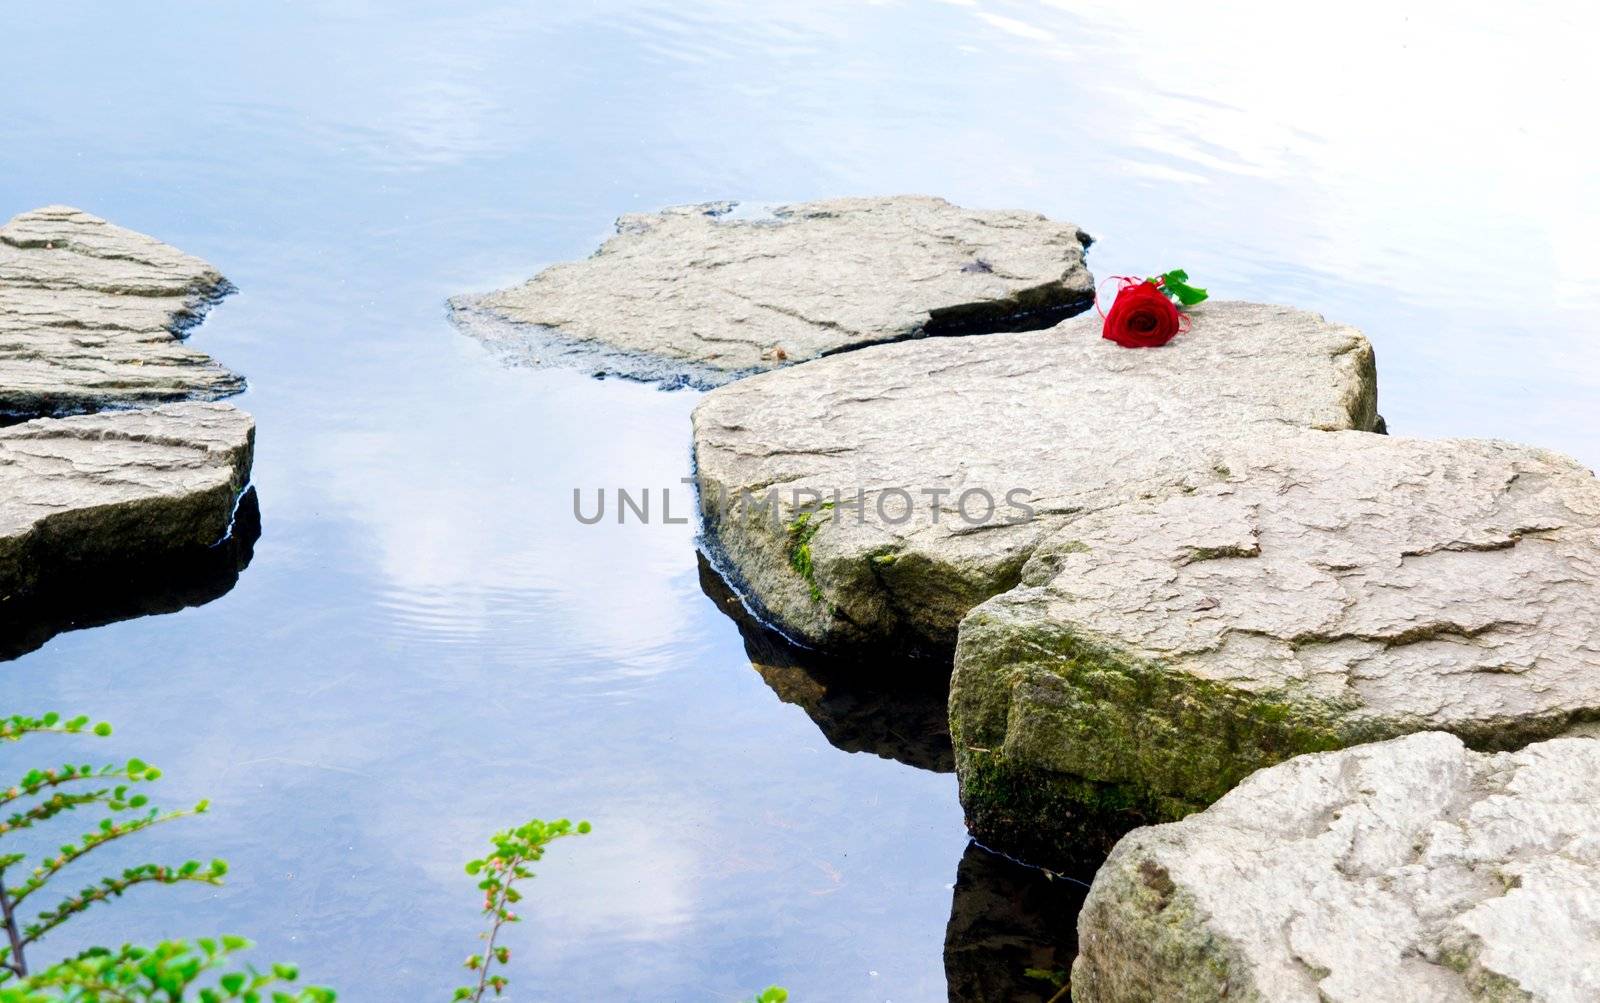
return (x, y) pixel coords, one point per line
(426, 647)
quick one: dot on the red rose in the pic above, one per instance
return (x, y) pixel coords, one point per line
(1141, 317)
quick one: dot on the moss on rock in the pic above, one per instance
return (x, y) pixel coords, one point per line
(1064, 823)
(1063, 742)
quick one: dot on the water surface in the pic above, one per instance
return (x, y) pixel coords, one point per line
(425, 646)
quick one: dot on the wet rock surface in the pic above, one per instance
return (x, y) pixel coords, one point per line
(1315, 591)
(1413, 869)
(118, 486)
(92, 314)
(898, 451)
(705, 294)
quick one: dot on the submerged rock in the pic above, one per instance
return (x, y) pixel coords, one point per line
(83, 491)
(91, 317)
(888, 708)
(911, 482)
(703, 295)
(1012, 933)
(1316, 590)
(1413, 869)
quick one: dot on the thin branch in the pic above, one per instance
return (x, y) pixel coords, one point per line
(17, 962)
(52, 778)
(110, 888)
(54, 865)
(52, 806)
(17, 725)
(499, 904)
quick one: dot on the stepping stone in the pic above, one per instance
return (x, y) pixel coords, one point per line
(1315, 591)
(83, 491)
(882, 462)
(1411, 870)
(704, 294)
(92, 317)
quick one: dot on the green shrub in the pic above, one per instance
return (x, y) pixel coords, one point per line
(166, 972)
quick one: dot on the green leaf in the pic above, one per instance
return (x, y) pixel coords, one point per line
(1176, 283)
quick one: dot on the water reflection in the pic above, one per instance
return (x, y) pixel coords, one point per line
(1013, 930)
(98, 594)
(894, 710)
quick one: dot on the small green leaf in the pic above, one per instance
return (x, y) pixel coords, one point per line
(1176, 283)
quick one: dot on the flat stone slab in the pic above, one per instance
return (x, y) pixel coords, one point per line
(1316, 590)
(91, 317)
(1411, 870)
(703, 294)
(81, 491)
(1066, 418)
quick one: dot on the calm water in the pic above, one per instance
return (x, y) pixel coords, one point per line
(425, 646)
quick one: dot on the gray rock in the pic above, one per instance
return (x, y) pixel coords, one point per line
(1410, 870)
(703, 295)
(115, 486)
(91, 317)
(83, 596)
(1068, 419)
(1317, 590)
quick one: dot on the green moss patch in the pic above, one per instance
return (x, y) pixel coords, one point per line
(1066, 703)
(801, 530)
(1051, 819)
